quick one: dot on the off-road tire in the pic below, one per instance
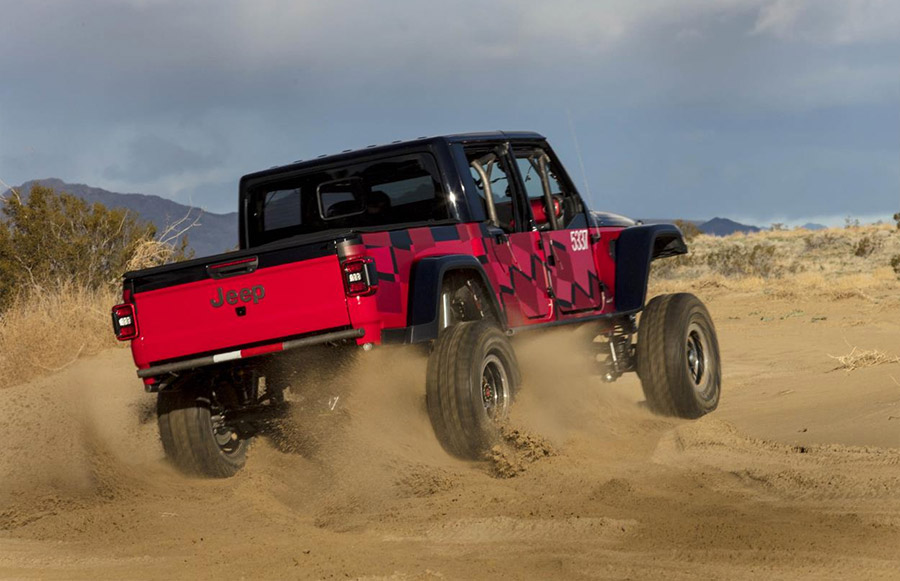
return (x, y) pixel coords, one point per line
(186, 430)
(678, 356)
(472, 362)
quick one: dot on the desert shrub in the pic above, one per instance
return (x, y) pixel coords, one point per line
(672, 267)
(897, 219)
(866, 245)
(688, 229)
(53, 238)
(758, 259)
(787, 264)
(822, 240)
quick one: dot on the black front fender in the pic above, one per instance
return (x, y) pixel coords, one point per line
(636, 248)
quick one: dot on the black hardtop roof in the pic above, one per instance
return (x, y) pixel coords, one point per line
(350, 154)
(490, 136)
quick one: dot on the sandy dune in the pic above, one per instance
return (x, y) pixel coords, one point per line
(796, 475)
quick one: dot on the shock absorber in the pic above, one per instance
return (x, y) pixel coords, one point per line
(621, 350)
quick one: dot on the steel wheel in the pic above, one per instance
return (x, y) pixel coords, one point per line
(494, 387)
(697, 358)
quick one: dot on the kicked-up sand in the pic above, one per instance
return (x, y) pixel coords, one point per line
(795, 476)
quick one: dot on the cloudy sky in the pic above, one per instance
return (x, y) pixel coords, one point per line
(759, 110)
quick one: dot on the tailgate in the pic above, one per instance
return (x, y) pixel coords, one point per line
(210, 315)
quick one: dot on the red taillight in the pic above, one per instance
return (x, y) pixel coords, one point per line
(360, 277)
(124, 322)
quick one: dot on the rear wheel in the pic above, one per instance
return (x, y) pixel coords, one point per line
(195, 435)
(472, 378)
(678, 356)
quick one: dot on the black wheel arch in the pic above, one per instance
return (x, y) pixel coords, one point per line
(635, 248)
(424, 300)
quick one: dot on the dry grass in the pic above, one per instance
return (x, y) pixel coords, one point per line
(150, 253)
(165, 247)
(834, 264)
(860, 358)
(47, 330)
(774, 254)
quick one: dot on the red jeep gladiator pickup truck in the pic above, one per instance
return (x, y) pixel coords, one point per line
(457, 243)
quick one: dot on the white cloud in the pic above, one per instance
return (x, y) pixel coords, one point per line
(831, 21)
(241, 36)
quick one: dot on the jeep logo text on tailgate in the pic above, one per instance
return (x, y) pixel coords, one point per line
(255, 294)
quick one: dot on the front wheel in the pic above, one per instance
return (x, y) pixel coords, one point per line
(472, 378)
(678, 357)
(195, 436)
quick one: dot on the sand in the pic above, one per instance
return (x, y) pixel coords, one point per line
(795, 476)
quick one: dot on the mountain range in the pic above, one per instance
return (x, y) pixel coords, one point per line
(723, 227)
(212, 234)
(215, 233)
(715, 227)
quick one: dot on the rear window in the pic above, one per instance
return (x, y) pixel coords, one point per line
(374, 193)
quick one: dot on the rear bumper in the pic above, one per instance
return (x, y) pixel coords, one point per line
(164, 368)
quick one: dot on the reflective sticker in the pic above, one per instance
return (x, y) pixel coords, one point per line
(579, 239)
(226, 356)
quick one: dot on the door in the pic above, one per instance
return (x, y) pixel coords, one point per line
(513, 248)
(558, 216)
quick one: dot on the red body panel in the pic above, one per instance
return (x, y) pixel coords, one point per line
(573, 273)
(520, 265)
(309, 295)
(299, 297)
(394, 257)
(605, 264)
(517, 270)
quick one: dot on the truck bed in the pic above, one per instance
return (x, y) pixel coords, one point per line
(237, 299)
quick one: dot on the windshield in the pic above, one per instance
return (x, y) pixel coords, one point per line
(382, 192)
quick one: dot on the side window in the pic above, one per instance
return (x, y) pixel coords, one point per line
(405, 190)
(531, 176)
(485, 166)
(281, 209)
(540, 176)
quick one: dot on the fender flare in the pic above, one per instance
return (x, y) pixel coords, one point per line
(423, 307)
(636, 247)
